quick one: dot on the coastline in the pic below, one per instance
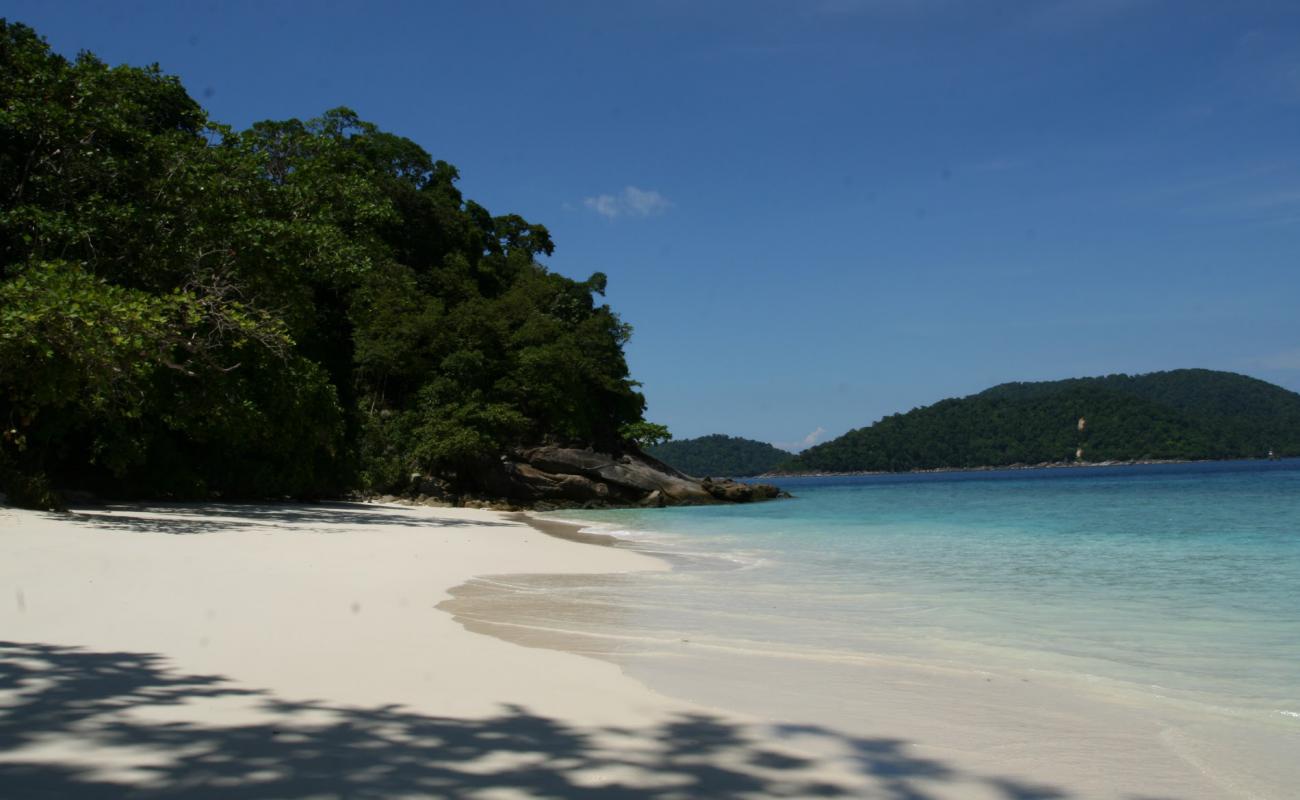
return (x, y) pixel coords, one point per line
(290, 650)
(1012, 467)
(568, 531)
(295, 651)
(1083, 736)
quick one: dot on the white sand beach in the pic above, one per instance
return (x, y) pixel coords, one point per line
(297, 651)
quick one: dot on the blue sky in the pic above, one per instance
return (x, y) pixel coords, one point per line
(815, 214)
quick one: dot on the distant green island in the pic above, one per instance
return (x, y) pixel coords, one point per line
(720, 455)
(1185, 414)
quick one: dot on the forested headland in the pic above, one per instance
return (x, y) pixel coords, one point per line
(1186, 414)
(718, 454)
(301, 308)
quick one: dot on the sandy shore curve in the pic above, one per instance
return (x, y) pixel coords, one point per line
(297, 650)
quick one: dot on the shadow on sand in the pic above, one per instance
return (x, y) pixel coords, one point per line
(307, 749)
(192, 518)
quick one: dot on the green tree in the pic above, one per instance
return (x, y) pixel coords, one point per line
(298, 308)
(646, 434)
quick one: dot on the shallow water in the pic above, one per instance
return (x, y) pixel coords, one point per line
(1139, 614)
(1181, 581)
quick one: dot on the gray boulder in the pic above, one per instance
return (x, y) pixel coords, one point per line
(552, 477)
(633, 475)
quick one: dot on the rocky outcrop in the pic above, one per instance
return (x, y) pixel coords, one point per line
(634, 477)
(731, 491)
(555, 477)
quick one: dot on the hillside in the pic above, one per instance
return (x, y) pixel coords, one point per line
(720, 455)
(1181, 414)
(300, 308)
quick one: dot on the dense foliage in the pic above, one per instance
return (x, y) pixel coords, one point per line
(1182, 414)
(297, 308)
(720, 456)
(646, 434)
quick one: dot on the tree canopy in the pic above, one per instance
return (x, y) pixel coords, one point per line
(294, 309)
(1180, 414)
(718, 455)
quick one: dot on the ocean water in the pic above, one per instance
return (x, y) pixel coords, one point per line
(1169, 584)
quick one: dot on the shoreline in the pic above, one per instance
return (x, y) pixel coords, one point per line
(1015, 467)
(568, 531)
(1077, 733)
(296, 651)
(185, 647)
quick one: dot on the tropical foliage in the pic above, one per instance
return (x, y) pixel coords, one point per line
(717, 455)
(646, 434)
(1182, 414)
(293, 309)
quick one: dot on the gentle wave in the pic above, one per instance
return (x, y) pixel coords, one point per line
(1182, 577)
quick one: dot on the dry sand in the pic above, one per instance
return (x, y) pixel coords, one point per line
(295, 651)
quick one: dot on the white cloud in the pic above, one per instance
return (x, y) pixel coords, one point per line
(604, 204)
(804, 443)
(631, 202)
(811, 439)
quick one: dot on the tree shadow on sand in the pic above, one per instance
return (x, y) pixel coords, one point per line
(198, 518)
(308, 749)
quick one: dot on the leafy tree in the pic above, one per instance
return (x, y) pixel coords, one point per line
(646, 434)
(298, 308)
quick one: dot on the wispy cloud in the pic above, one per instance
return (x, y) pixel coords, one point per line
(631, 202)
(1266, 193)
(1285, 360)
(811, 439)
(1265, 65)
(804, 443)
(1226, 179)
(1267, 201)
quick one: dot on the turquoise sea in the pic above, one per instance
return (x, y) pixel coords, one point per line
(1172, 583)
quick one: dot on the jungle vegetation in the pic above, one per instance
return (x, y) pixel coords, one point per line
(1181, 414)
(296, 309)
(718, 455)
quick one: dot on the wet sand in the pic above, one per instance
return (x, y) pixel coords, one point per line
(306, 650)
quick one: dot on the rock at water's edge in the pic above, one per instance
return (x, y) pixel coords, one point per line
(555, 476)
